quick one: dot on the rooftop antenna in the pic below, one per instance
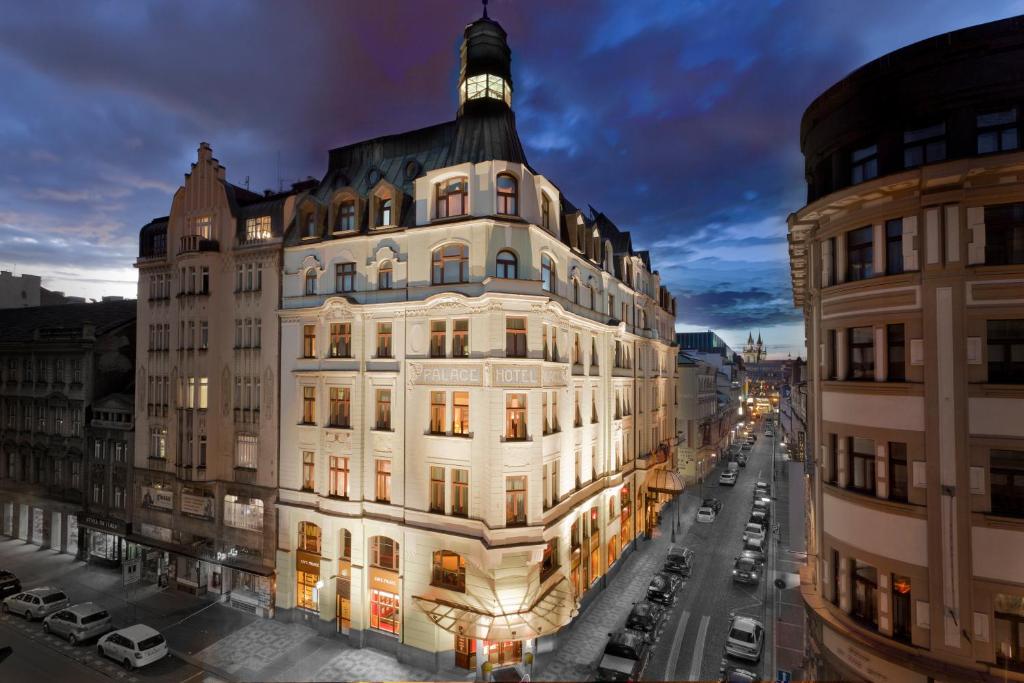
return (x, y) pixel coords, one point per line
(247, 182)
(485, 8)
(280, 186)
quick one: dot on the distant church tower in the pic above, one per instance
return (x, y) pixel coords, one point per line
(753, 352)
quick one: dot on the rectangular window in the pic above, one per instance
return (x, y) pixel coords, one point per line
(257, 228)
(515, 500)
(460, 339)
(385, 610)
(460, 413)
(861, 475)
(861, 353)
(832, 370)
(515, 337)
(437, 489)
(515, 417)
(347, 216)
(204, 280)
(437, 335)
(308, 480)
(894, 246)
(204, 386)
(340, 408)
(309, 341)
(859, 254)
(246, 450)
(438, 405)
(243, 513)
(345, 277)
(1006, 474)
(460, 492)
(383, 412)
(897, 362)
(924, 145)
(1005, 351)
(341, 340)
(864, 164)
(1004, 234)
(898, 480)
(384, 349)
(997, 131)
(833, 458)
(382, 489)
(546, 427)
(339, 476)
(308, 405)
(204, 335)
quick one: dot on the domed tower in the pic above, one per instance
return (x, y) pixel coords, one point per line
(485, 74)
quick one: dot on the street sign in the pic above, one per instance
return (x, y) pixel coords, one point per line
(783, 676)
(131, 571)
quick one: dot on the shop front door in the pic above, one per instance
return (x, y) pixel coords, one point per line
(505, 652)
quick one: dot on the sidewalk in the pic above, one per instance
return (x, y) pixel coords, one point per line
(582, 642)
(789, 614)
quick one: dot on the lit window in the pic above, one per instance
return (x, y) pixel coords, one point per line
(308, 480)
(257, 228)
(438, 406)
(460, 413)
(515, 417)
(383, 412)
(515, 500)
(437, 489)
(437, 338)
(308, 405)
(460, 492)
(341, 340)
(382, 488)
(449, 571)
(339, 477)
(309, 341)
(340, 407)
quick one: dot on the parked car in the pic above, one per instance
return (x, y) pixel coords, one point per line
(758, 517)
(663, 587)
(745, 570)
(741, 460)
(705, 515)
(762, 490)
(755, 546)
(625, 657)
(732, 466)
(734, 674)
(727, 478)
(646, 617)
(510, 673)
(133, 647)
(679, 560)
(752, 555)
(753, 530)
(712, 503)
(9, 584)
(36, 603)
(746, 447)
(745, 639)
(769, 433)
(79, 622)
(761, 505)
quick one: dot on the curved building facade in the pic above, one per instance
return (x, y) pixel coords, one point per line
(908, 261)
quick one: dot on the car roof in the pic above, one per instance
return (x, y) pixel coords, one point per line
(138, 632)
(84, 608)
(43, 590)
(745, 623)
(677, 549)
(627, 637)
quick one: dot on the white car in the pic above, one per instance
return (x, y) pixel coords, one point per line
(746, 639)
(133, 647)
(705, 515)
(727, 478)
(753, 531)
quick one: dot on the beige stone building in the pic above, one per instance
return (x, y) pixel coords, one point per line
(908, 261)
(477, 382)
(206, 411)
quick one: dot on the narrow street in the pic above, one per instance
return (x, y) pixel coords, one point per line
(692, 646)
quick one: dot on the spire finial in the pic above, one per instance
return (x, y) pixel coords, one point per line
(485, 8)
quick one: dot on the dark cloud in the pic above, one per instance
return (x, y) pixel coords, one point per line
(675, 119)
(729, 308)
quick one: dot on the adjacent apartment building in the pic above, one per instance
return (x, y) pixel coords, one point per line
(59, 368)
(477, 388)
(908, 261)
(207, 385)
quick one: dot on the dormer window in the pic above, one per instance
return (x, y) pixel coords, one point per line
(384, 212)
(451, 198)
(508, 195)
(311, 225)
(545, 212)
(485, 85)
(347, 216)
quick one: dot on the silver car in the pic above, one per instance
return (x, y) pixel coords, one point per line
(36, 603)
(745, 639)
(79, 622)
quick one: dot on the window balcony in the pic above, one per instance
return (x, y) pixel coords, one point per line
(197, 243)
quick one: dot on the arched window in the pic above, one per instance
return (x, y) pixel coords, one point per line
(507, 265)
(309, 537)
(451, 198)
(449, 571)
(384, 553)
(450, 264)
(547, 273)
(384, 276)
(592, 297)
(508, 194)
(310, 282)
(384, 212)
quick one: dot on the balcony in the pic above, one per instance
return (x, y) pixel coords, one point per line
(197, 243)
(245, 475)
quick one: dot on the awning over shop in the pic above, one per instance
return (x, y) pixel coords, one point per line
(663, 481)
(549, 613)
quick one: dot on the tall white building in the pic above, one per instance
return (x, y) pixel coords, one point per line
(477, 386)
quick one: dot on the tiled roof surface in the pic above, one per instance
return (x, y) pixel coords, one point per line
(20, 324)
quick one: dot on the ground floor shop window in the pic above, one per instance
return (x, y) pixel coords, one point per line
(504, 652)
(1009, 631)
(306, 591)
(103, 545)
(384, 611)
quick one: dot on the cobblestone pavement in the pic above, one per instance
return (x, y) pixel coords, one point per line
(577, 655)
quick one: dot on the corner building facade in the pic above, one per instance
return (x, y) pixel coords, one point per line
(908, 261)
(477, 392)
